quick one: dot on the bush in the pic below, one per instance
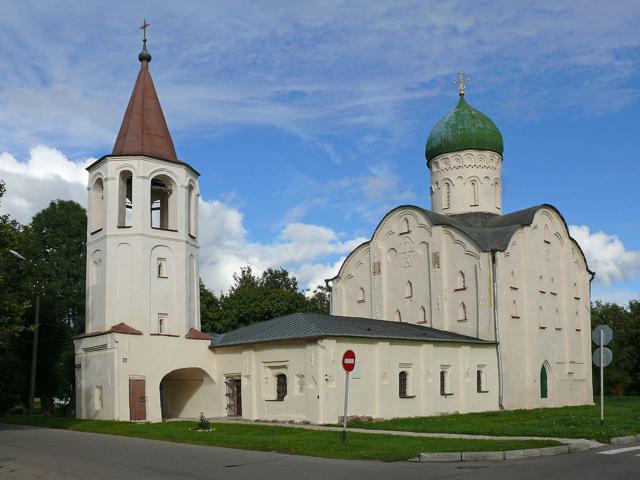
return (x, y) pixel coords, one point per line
(203, 424)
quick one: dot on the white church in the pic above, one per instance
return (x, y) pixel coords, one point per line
(458, 309)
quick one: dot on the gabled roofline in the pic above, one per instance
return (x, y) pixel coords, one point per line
(548, 205)
(459, 225)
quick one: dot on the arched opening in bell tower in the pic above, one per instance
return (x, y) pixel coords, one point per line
(125, 199)
(97, 206)
(192, 212)
(163, 203)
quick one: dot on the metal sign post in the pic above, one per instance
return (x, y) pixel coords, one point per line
(348, 363)
(601, 377)
(602, 357)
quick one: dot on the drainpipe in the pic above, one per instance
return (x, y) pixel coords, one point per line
(497, 327)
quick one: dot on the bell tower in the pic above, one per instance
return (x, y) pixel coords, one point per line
(142, 239)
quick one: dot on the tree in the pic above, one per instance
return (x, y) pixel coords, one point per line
(623, 375)
(210, 312)
(55, 245)
(13, 307)
(256, 298)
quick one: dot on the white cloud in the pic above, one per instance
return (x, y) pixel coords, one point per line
(45, 176)
(313, 274)
(307, 251)
(607, 255)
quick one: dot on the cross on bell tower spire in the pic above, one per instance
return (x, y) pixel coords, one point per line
(461, 82)
(144, 54)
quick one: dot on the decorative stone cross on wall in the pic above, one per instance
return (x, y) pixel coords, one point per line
(406, 253)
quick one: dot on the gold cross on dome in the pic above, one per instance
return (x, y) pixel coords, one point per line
(144, 30)
(461, 83)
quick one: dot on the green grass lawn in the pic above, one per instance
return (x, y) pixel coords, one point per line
(281, 439)
(622, 417)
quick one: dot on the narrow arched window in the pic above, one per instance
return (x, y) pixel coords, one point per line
(462, 312)
(361, 296)
(398, 316)
(496, 191)
(163, 203)
(461, 283)
(281, 386)
(552, 286)
(97, 206)
(558, 323)
(192, 210)
(514, 309)
(125, 199)
(162, 268)
(408, 290)
(422, 315)
(474, 193)
(513, 280)
(544, 388)
(541, 317)
(402, 384)
(547, 234)
(405, 225)
(541, 284)
(446, 195)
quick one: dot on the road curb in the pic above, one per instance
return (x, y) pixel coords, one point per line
(624, 440)
(503, 455)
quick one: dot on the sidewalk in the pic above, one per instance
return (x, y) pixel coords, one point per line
(568, 441)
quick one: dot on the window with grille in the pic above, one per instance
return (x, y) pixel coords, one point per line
(281, 386)
(403, 376)
(443, 382)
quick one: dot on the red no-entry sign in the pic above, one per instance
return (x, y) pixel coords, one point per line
(348, 361)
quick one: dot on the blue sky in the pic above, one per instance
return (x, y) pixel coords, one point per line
(307, 120)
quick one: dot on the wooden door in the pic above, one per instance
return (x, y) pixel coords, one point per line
(137, 399)
(234, 396)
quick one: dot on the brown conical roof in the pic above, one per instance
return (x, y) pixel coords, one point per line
(144, 130)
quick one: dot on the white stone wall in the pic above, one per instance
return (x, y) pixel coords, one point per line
(551, 321)
(145, 357)
(316, 379)
(466, 181)
(410, 271)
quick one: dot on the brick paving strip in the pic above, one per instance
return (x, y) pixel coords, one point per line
(571, 445)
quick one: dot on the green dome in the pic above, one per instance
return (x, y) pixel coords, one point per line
(464, 128)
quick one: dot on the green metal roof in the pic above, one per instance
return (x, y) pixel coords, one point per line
(463, 128)
(312, 326)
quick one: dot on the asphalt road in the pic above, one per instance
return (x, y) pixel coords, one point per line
(30, 453)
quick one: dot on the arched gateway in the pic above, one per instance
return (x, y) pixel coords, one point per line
(185, 393)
